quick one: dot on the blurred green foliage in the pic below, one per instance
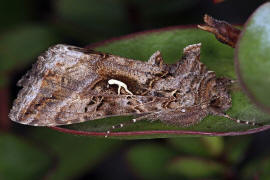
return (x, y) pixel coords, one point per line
(258, 168)
(203, 147)
(29, 27)
(19, 45)
(196, 168)
(74, 154)
(20, 159)
(149, 160)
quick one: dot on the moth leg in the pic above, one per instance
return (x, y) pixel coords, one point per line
(241, 121)
(125, 124)
(216, 112)
(182, 117)
(120, 85)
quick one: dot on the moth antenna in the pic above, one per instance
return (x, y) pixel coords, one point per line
(124, 124)
(241, 121)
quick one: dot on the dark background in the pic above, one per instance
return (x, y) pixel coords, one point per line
(29, 27)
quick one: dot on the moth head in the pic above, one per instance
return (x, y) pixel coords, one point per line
(221, 98)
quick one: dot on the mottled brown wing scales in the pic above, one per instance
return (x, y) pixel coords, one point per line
(156, 59)
(181, 117)
(70, 85)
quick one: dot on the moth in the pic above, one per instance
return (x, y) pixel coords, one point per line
(70, 85)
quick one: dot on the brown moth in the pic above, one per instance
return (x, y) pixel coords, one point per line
(70, 85)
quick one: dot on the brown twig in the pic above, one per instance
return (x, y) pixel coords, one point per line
(223, 31)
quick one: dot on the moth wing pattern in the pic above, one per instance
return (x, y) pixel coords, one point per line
(51, 86)
(156, 59)
(183, 117)
(64, 87)
(70, 85)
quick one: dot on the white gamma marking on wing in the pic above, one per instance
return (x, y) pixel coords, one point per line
(120, 84)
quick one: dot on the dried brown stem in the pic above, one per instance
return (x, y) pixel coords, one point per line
(223, 31)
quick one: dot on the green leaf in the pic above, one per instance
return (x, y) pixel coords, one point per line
(253, 57)
(204, 146)
(149, 160)
(235, 148)
(21, 160)
(17, 11)
(92, 20)
(189, 145)
(92, 12)
(214, 145)
(259, 168)
(23, 44)
(75, 154)
(157, 14)
(170, 42)
(190, 167)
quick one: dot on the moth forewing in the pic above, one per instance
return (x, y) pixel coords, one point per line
(70, 85)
